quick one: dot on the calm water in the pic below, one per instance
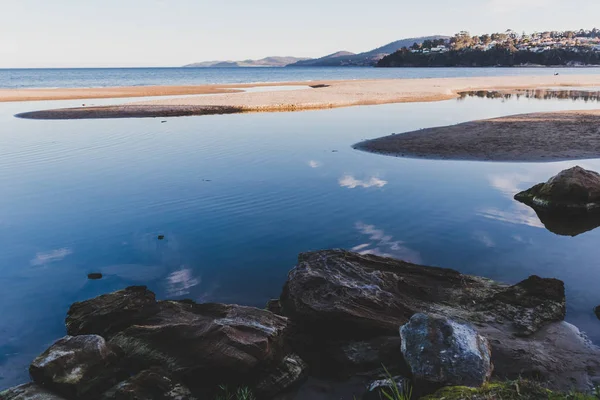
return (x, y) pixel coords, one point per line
(238, 196)
(98, 77)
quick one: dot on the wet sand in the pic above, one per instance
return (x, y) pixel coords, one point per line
(539, 137)
(336, 94)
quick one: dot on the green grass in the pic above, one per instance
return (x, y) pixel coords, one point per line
(241, 393)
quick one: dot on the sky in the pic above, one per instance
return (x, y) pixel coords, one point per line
(144, 33)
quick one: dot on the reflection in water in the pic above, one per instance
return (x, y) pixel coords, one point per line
(51, 256)
(314, 164)
(569, 224)
(180, 282)
(540, 94)
(384, 245)
(351, 182)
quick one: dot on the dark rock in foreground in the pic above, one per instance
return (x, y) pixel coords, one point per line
(335, 295)
(572, 189)
(76, 366)
(442, 352)
(29, 391)
(149, 385)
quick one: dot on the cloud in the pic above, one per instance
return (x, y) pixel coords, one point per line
(484, 238)
(384, 245)
(314, 164)
(51, 256)
(351, 182)
(517, 214)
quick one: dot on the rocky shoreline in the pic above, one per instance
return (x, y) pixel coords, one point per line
(343, 320)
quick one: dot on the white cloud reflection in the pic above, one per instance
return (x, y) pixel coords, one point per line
(314, 164)
(180, 282)
(384, 245)
(351, 182)
(51, 256)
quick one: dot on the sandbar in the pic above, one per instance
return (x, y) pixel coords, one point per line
(538, 137)
(330, 94)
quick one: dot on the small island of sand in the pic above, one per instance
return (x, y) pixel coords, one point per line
(538, 137)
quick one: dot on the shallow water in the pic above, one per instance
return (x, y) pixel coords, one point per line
(237, 197)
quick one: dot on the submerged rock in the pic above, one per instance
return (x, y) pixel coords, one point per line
(597, 312)
(445, 353)
(76, 366)
(29, 391)
(572, 189)
(95, 276)
(149, 385)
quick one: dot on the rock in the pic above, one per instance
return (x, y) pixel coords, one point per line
(95, 276)
(29, 391)
(161, 237)
(110, 313)
(212, 343)
(572, 189)
(377, 389)
(274, 305)
(443, 352)
(149, 385)
(334, 296)
(533, 303)
(76, 366)
(597, 312)
(347, 295)
(291, 372)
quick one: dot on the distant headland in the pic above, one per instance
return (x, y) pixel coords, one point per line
(508, 49)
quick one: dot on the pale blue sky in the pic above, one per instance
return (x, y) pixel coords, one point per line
(86, 33)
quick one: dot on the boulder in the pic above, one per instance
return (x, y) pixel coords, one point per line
(335, 296)
(76, 366)
(291, 372)
(572, 189)
(210, 343)
(29, 391)
(111, 313)
(149, 385)
(443, 352)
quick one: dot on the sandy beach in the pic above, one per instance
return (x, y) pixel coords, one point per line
(337, 94)
(538, 137)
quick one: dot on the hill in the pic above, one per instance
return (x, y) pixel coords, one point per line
(368, 58)
(263, 62)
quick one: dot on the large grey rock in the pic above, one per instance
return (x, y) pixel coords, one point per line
(29, 391)
(335, 295)
(149, 385)
(110, 313)
(291, 372)
(572, 189)
(76, 366)
(443, 352)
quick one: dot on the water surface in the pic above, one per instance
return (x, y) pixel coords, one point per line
(237, 197)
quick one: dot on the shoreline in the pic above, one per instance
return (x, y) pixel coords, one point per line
(342, 93)
(536, 137)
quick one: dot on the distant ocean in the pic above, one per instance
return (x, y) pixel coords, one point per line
(105, 77)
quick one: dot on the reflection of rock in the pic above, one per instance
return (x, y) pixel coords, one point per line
(445, 353)
(569, 223)
(597, 312)
(572, 189)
